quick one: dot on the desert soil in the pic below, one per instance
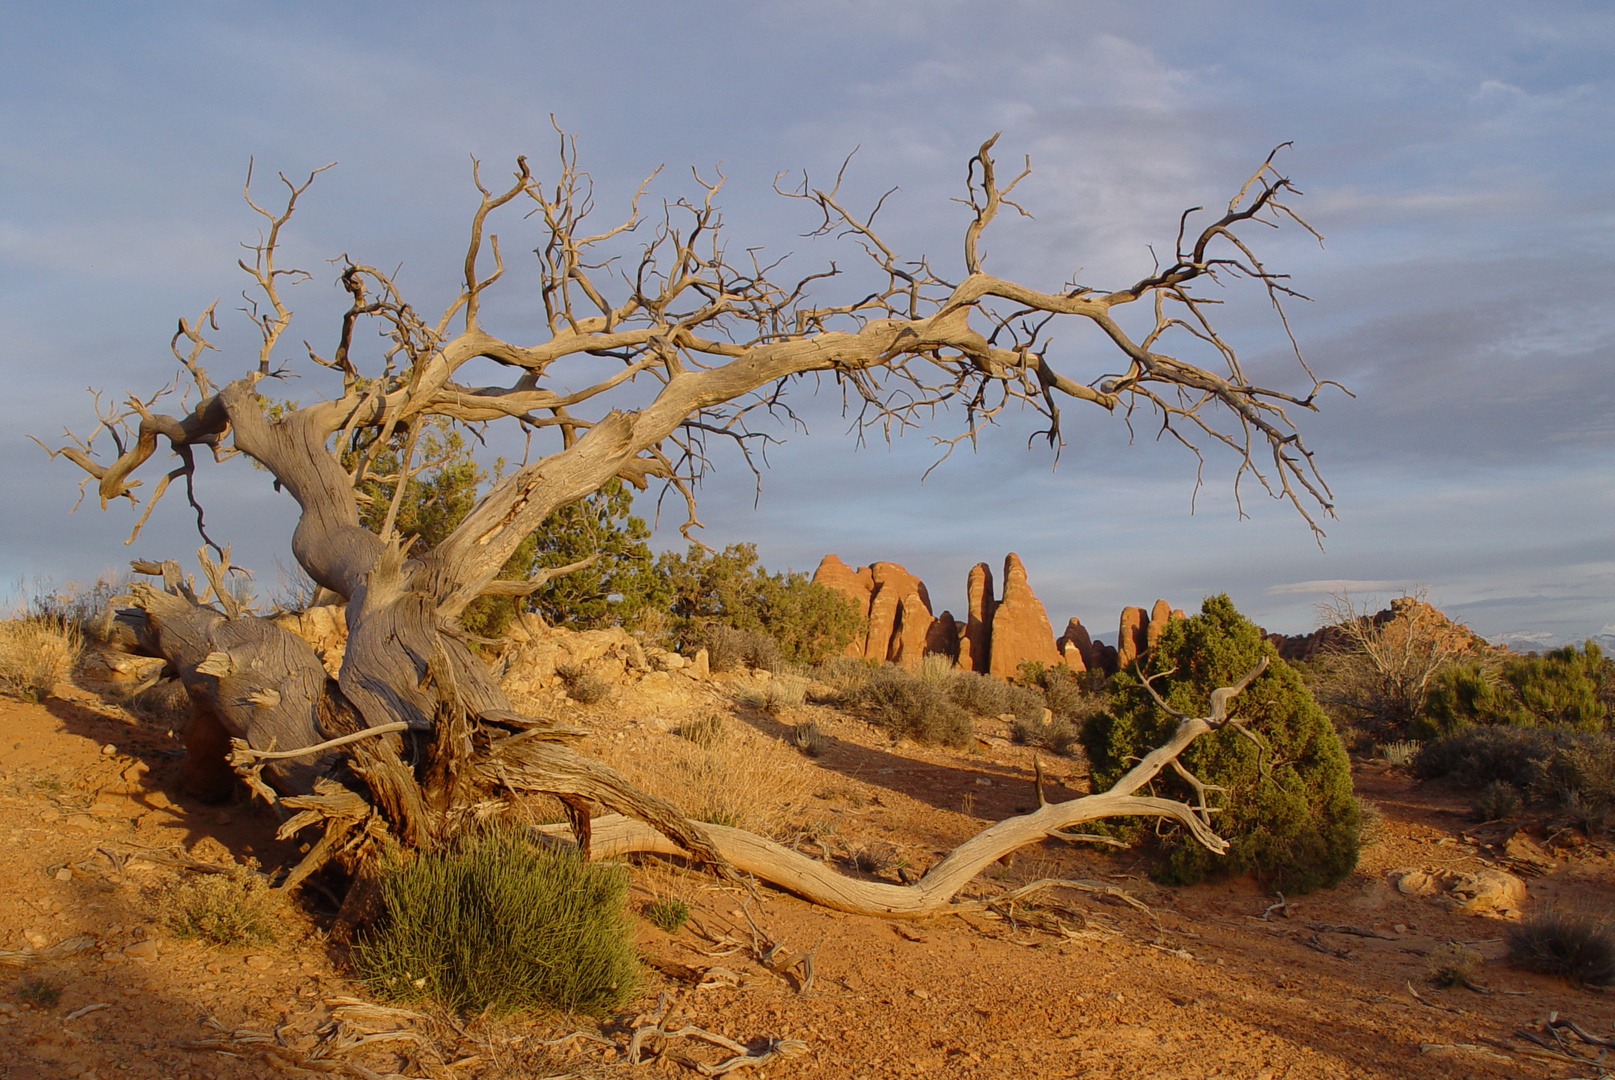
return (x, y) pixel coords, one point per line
(1209, 981)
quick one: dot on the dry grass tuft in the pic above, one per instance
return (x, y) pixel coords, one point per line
(582, 684)
(36, 654)
(226, 909)
(745, 779)
(1576, 946)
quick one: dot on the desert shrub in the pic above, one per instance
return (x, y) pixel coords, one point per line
(1497, 801)
(1576, 946)
(780, 693)
(806, 622)
(809, 739)
(1564, 688)
(1453, 964)
(705, 731)
(1476, 756)
(39, 992)
(980, 694)
(845, 674)
(937, 669)
(985, 695)
(1574, 770)
(906, 705)
(729, 649)
(491, 922)
(667, 913)
(226, 909)
(1289, 814)
(582, 684)
(1057, 735)
(36, 653)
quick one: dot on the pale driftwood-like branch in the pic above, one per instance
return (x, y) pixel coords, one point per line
(614, 835)
(242, 754)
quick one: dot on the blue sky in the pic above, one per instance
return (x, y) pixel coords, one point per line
(1457, 157)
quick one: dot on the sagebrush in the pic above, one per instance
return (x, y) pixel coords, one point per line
(36, 653)
(237, 908)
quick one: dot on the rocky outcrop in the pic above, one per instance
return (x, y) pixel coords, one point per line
(1160, 615)
(1020, 630)
(1132, 636)
(1428, 626)
(1077, 648)
(895, 605)
(973, 651)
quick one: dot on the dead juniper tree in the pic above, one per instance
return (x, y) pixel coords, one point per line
(674, 345)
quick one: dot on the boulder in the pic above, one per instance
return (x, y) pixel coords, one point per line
(973, 648)
(1020, 627)
(1490, 893)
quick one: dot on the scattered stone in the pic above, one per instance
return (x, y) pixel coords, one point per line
(109, 750)
(1490, 893)
(142, 950)
(258, 963)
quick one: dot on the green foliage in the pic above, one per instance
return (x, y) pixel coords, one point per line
(1579, 947)
(809, 622)
(1295, 828)
(909, 706)
(1564, 688)
(667, 913)
(620, 586)
(492, 922)
(226, 909)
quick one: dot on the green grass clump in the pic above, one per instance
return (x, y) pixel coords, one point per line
(1288, 812)
(493, 923)
(225, 909)
(667, 913)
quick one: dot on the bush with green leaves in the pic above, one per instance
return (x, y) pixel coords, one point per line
(808, 622)
(907, 705)
(1564, 688)
(620, 586)
(1289, 814)
(491, 922)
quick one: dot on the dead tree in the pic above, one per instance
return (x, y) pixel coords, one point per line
(657, 349)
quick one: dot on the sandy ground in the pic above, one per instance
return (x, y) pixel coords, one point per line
(1200, 984)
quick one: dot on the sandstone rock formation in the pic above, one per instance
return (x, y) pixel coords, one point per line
(979, 595)
(1020, 626)
(1160, 615)
(1132, 636)
(1077, 648)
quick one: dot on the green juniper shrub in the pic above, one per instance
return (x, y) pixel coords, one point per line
(1289, 814)
(1564, 688)
(806, 622)
(1574, 946)
(1475, 756)
(906, 705)
(490, 922)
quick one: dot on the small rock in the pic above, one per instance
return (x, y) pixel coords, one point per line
(36, 939)
(922, 995)
(104, 809)
(258, 963)
(48, 816)
(214, 967)
(1400, 928)
(65, 874)
(109, 750)
(141, 950)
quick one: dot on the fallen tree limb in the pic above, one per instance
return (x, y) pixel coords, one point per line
(614, 835)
